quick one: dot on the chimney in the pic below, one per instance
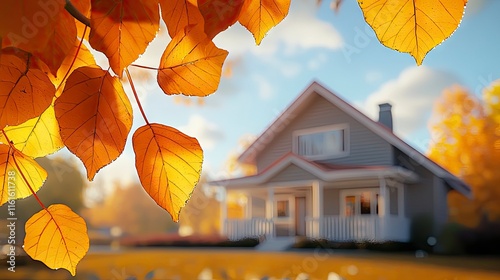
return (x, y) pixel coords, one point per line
(385, 115)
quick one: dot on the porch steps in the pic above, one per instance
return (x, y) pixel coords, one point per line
(281, 243)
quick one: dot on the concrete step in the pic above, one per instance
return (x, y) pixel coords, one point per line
(281, 243)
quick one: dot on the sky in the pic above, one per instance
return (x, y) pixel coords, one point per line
(314, 43)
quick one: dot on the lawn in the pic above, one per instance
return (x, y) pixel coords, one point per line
(191, 264)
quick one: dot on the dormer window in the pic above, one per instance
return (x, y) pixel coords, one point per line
(322, 142)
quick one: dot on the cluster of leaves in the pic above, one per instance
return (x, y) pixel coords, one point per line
(466, 140)
(53, 94)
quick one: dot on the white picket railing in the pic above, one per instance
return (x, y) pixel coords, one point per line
(359, 228)
(337, 228)
(257, 227)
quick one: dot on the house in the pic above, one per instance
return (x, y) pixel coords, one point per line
(326, 170)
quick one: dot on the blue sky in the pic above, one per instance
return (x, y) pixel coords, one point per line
(337, 49)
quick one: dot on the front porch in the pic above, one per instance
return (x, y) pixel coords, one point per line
(362, 209)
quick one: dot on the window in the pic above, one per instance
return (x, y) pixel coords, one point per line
(360, 202)
(325, 141)
(283, 208)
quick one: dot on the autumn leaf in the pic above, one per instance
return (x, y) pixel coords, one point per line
(25, 92)
(259, 16)
(219, 15)
(43, 28)
(178, 14)
(414, 26)
(122, 29)
(191, 64)
(168, 163)
(94, 116)
(62, 38)
(36, 137)
(12, 164)
(58, 237)
(79, 56)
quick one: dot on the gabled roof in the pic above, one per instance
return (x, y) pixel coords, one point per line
(301, 102)
(324, 172)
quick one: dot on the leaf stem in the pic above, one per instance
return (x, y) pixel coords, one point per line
(11, 147)
(74, 59)
(145, 67)
(72, 10)
(129, 77)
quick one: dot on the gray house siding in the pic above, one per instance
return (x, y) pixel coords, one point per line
(292, 173)
(331, 202)
(366, 147)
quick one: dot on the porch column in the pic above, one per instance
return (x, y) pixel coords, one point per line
(270, 203)
(223, 211)
(248, 208)
(317, 203)
(401, 202)
(383, 206)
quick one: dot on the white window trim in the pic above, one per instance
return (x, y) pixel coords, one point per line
(306, 131)
(348, 192)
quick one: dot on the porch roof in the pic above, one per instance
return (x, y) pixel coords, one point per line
(326, 172)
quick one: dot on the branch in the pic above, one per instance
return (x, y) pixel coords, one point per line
(76, 14)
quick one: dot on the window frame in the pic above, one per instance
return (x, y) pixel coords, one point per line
(320, 129)
(374, 197)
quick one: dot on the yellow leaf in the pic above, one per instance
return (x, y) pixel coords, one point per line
(122, 29)
(13, 184)
(58, 237)
(36, 137)
(168, 163)
(191, 64)
(259, 16)
(413, 26)
(94, 116)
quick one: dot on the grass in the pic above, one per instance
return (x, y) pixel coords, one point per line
(169, 263)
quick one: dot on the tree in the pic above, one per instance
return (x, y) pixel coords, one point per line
(140, 216)
(53, 94)
(466, 140)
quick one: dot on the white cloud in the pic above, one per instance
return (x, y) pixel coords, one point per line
(264, 87)
(207, 133)
(412, 96)
(300, 30)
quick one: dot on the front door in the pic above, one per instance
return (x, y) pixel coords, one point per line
(300, 216)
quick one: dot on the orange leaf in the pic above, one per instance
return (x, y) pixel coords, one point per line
(58, 237)
(191, 64)
(169, 165)
(414, 26)
(219, 15)
(13, 184)
(259, 16)
(83, 58)
(122, 29)
(177, 14)
(25, 92)
(61, 42)
(95, 117)
(43, 28)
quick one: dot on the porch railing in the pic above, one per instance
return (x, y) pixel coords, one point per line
(359, 228)
(256, 227)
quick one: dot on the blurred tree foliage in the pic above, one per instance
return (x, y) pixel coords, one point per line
(201, 216)
(466, 140)
(131, 209)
